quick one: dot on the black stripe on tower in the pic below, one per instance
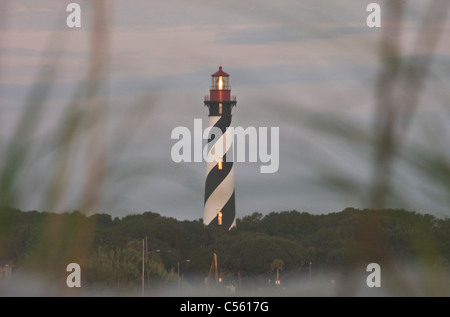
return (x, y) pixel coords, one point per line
(215, 177)
(228, 214)
(223, 123)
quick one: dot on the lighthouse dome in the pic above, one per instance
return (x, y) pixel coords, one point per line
(220, 72)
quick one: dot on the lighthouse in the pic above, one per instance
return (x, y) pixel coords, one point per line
(219, 204)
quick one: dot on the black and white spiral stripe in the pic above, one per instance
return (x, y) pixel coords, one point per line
(219, 187)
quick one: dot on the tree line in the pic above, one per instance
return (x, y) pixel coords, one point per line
(261, 247)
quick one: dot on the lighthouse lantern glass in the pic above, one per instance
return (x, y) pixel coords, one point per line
(226, 83)
(220, 82)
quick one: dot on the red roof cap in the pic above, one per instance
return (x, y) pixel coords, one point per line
(220, 72)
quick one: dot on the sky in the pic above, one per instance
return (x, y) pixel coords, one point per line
(296, 65)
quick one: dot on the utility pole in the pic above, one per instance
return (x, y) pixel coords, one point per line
(310, 263)
(178, 264)
(143, 265)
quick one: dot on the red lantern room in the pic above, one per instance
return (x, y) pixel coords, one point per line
(220, 100)
(220, 88)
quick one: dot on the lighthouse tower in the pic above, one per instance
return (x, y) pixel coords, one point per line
(219, 209)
